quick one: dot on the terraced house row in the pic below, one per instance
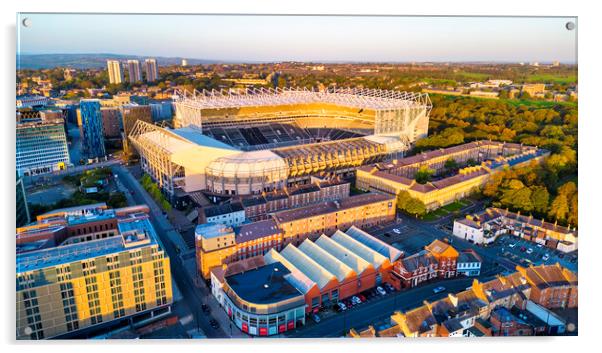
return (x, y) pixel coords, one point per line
(477, 160)
(515, 305)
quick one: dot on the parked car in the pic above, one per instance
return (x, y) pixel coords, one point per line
(388, 287)
(362, 297)
(439, 289)
(355, 300)
(396, 231)
(348, 303)
(316, 318)
(545, 257)
(512, 245)
(523, 249)
(539, 245)
(381, 291)
(342, 306)
(529, 251)
(561, 256)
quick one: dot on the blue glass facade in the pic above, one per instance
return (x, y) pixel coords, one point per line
(91, 128)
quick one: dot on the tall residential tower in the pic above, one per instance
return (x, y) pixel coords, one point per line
(115, 74)
(151, 69)
(134, 71)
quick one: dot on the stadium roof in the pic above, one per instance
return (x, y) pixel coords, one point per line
(350, 97)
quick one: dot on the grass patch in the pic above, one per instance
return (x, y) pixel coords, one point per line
(454, 206)
(552, 78)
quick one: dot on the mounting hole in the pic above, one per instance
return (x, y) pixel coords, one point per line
(570, 25)
(26, 22)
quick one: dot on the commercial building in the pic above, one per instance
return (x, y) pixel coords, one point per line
(41, 146)
(313, 275)
(363, 211)
(259, 140)
(477, 160)
(151, 70)
(261, 299)
(114, 70)
(469, 263)
(130, 114)
(22, 209)
(91, 130)
(135, 74)
(111, 122)
(89, 268)
(485, 227)
(27, 101)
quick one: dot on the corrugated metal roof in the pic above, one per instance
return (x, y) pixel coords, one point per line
(359, 249)
(296, 277)
(351, 259)
(374, 243)
(326, 260)
(309, 267)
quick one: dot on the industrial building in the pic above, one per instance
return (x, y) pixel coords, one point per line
(89, 268)
(256, 140)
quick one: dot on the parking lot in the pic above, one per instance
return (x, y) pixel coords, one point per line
(523, 252)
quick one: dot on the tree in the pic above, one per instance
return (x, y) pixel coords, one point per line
(423, 175)
(573, 214)
(559, 208)
(415, 207)
(450, 165)
(402, 200)
(540, 197)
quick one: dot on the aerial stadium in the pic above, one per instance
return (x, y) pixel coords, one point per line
(257, 140)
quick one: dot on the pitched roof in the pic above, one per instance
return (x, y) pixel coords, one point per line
(374, 243)
(326, 260)
(361, 250)
(438, 247)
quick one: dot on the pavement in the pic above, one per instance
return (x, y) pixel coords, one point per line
(192, 296)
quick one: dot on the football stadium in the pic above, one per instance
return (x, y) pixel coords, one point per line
(250, 141)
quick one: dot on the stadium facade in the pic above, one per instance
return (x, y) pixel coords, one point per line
(255, 140)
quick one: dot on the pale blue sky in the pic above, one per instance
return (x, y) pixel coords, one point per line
(303, 38)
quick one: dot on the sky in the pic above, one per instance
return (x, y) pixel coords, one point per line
(302, 38)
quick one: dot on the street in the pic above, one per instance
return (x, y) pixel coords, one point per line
(193, 297)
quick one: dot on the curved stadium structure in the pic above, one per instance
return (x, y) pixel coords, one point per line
(256, 140)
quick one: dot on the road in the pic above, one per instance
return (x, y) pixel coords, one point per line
(193, 297)
(379, 309)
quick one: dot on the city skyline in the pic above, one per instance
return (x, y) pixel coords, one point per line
(305, 38)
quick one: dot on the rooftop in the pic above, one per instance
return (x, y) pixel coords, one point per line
(263, 285)
(256, 230)
(330, 207)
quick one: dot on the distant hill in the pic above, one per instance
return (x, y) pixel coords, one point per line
(89, 61)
